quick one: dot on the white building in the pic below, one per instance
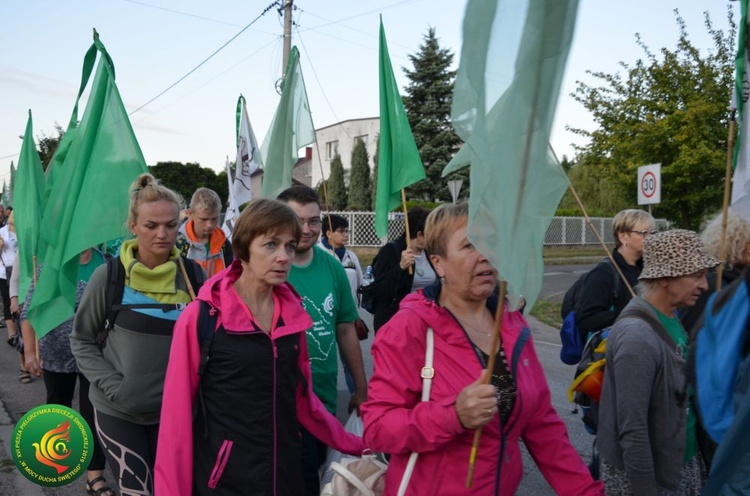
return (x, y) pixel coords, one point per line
(340, 138)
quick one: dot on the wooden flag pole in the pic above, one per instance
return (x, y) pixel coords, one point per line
(406, 224)
(191, 292)
(596, 233)
(490, 367)
(725, 207)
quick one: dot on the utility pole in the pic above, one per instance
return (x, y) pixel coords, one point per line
(287, 34)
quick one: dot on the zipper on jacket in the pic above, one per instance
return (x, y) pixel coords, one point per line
(275, 432)
(221, 462)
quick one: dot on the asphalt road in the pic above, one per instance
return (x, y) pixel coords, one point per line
(18, 398)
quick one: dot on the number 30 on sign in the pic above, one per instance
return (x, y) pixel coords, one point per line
(649, 184)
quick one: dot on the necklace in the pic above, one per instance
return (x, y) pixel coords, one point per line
(464, 322)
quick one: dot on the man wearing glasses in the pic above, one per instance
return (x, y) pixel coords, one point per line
(323, 285)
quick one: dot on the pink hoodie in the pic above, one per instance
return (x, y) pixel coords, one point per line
(174, 461)
(396, 422)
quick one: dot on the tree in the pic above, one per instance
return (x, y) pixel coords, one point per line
(336, 186)
(47, 145)
(668, 109)
(359, 179)
(374, 183)
(186, 178)
(428, 106)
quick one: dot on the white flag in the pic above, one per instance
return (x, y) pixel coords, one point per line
(248, 161)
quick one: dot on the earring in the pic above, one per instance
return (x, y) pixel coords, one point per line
(442, 279)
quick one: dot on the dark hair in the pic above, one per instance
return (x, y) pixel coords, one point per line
(333, 222)
(260, 217)
(299, 194)
(417, 217)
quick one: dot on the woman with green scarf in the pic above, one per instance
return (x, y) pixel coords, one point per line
(127, 370)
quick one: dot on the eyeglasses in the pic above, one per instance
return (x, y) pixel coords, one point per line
(314, 222)
(644, 233)
(342, 231)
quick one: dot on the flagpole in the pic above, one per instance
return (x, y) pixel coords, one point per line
(486, 380)
(725, 207)
(323, 181)
(596, 233)
(406, 225)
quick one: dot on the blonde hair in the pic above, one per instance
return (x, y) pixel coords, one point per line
(206, 200)
(146, 189)
(626, 220)
(738, 233)
(442, 221)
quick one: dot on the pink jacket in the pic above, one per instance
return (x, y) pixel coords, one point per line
(174, 461)
(396, 422)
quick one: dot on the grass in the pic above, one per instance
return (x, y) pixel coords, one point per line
(547, 312)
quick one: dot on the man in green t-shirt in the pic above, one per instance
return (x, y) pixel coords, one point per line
(321, 281)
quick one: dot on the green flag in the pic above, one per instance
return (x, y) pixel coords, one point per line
(512, 61)
(29, 188)
(399, 163)
(88, 204)
(291, 129)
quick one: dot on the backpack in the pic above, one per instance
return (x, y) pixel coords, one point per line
(116, 288)
(571, 337)
(367, 299)
(585, 390)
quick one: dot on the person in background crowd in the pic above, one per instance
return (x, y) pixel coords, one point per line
(400, 269)
(256, 385)
(647, 423)
(334, 239)
(737, 258)
(3, 217)
(516, 405)
(604, 295)
(57, 366)
(127, 370)
(326, 296)
(8, 252)
(201, 239)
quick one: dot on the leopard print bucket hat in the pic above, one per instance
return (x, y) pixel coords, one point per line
(675, 253)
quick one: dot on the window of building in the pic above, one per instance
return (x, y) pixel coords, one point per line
(332, 149)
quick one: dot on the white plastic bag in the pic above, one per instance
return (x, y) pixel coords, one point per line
(345, 475)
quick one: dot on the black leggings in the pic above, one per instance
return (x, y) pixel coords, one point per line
(131, 452)
(5, 294)
(60, 390)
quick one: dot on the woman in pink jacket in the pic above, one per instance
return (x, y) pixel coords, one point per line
(516, 404)
(251, 382)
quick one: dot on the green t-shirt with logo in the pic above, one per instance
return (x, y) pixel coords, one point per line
(679, 336)
(326, 295)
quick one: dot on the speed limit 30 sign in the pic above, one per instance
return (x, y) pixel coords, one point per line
(649, 184)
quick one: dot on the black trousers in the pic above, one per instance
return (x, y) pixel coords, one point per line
(131, 452)
(313, 455)
(60, 388)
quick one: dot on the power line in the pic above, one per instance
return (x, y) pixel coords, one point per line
(322, 90)
(207, 58)
(184, 13)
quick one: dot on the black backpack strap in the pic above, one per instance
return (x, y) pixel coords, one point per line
(207, 317)
(615, 281)
(227, 252)
(195, 273)
(113, 297)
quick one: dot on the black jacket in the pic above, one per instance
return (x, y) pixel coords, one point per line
(392, 283)
(602, 299)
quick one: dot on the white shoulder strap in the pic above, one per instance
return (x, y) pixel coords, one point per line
(428, 372)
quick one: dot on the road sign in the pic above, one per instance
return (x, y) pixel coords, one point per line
(649, 184)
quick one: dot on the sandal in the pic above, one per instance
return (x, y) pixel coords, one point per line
(12, 340)
(101, 491)
(24, 376)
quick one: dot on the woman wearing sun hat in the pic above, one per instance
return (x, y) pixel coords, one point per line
(647, 424)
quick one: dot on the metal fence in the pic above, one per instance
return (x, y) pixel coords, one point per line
(562, 230)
